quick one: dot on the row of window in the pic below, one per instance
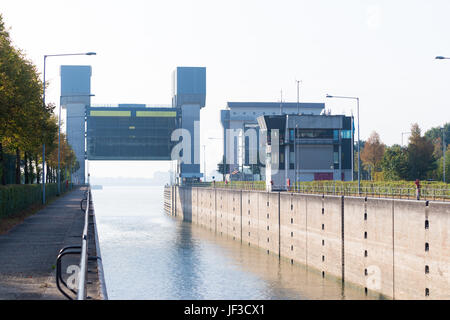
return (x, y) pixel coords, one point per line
(264, 113)
(319, 134)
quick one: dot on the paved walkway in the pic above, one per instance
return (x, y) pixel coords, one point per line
(28, 252)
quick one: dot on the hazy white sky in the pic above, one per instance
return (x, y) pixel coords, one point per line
(380, 51)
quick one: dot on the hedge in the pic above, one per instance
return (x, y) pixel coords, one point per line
(15, 198)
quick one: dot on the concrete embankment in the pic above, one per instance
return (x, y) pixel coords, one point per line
(399, 249)
(28, 252)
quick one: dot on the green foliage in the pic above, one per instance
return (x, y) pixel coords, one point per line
(25, 123)
(435, 134)
(420, 155)
(438, 174)
(395, 163)
(223, 167)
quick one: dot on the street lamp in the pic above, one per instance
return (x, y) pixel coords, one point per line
(359, 147)
(223, 175)
(443, 133)
(204, 161)
(443, 153)
(298, 95)
(403, 133)
(43, 100)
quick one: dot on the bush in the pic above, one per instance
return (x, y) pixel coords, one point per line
(16, 198)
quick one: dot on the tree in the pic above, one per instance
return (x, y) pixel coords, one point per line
(439, 171)
(373, 151)
(25, 124)
(420, 155)
(395, 163)
(435, 134)
(223, 168)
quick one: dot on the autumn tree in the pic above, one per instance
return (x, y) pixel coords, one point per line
(373, 152)
(420, 154)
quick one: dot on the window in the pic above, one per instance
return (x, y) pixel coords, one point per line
(291, 135)
(336, 135)
(336, 158)
(314, 134)
(281, 159)
(346, 134)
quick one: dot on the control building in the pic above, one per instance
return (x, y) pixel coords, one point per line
(310, 147)
(239, 117)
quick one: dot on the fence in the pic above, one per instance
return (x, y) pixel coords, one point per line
(16, 198)
(368, 189)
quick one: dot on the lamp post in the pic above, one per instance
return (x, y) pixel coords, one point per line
(224, 162)
(204, 162)
(43, 100)
(298, 95)
(296, 164)
(443, 131)
(443, 153)
(359, 147)
(403, 133)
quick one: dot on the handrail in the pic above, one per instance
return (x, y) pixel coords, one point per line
(81, 293)
(79, 289)
(426, 192)
(75, 250)
(101, 275)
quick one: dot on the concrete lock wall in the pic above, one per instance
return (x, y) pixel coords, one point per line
(394, 248)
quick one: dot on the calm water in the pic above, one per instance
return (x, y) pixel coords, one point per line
(149, 255)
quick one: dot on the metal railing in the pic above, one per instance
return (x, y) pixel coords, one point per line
(426, 192)
(82, 250)
(437, 194)
(70, 250)
(82, 276)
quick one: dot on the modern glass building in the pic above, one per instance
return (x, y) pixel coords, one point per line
(239, 122)
(310, 147)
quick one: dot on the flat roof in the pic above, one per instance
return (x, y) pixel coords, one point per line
(232, 105)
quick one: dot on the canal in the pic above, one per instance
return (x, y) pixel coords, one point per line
(149, 255)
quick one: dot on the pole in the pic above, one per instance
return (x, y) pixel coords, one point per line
(298, 96)
(43, 145)
(359, 157)
(59, 149)
(281, 103)
(443, 153)
(296, 159)
(204, 160)
(353, 154)
(59, 122)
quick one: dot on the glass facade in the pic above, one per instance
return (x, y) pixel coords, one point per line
(130, 134)
(314, 133)
(346, 134)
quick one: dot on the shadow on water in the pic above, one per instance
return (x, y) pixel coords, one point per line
(185, 258)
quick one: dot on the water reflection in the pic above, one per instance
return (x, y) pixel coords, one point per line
(148, 255)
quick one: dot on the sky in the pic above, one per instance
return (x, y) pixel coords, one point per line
(380, 51)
